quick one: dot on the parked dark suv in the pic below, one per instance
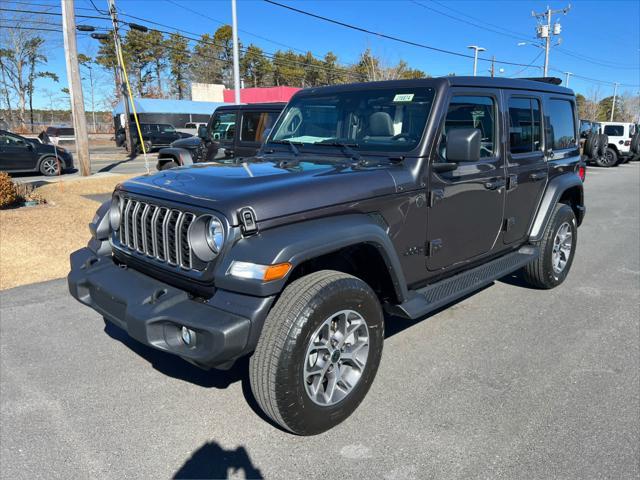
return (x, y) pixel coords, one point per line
(154, 135)
(398, 196)
(20, 154)
(219, 140)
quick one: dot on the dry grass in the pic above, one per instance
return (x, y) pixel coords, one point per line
(35, 242)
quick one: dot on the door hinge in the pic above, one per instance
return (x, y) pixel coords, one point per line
(509, 223)
(248, 220)
(512, 182)
(435, 196)
(433, 246)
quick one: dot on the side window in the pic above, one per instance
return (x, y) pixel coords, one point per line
(255, 124)
(11, 140)
(524, 125)
(614, 130)
(560, 124)
(472, 112)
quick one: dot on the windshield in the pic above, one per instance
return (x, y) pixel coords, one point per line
(166, 128)
(389, 119)
(223, 126)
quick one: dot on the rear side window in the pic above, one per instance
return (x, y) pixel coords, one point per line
(256, 124)
(223, 126)
(472, 112)
(560, 125)
(525, 135)
(614, 130)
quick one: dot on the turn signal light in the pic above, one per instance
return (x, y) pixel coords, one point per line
(276, 272)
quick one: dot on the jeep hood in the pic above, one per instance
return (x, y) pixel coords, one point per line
(188, 142)
(271, 190)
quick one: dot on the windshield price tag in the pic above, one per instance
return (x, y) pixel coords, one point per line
(403, 97)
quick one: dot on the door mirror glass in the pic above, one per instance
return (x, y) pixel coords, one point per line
(463, 144)
(202, 132)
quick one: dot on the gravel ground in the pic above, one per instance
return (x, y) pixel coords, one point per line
(508, 383)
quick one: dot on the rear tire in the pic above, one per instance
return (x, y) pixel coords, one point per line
(318, 353)
(557, 249)
(609, 159)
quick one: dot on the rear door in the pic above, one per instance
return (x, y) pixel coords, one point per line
(526, 164)
(465, 217)
(253, 127)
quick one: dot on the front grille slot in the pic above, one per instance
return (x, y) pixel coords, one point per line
(157, 232)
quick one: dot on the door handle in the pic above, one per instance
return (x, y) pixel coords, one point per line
(538, 176)
(495, 184)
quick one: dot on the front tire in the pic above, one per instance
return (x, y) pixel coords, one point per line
(49, 167)
(557, 249)
(319, 352)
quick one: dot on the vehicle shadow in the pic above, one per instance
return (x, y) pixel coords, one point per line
(213, 461)
(175, 367)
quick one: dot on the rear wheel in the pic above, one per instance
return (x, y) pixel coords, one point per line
(49, 166)
(609, 159)
(557, 249)
(318, 353)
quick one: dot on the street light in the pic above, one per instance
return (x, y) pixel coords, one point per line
(475, 57)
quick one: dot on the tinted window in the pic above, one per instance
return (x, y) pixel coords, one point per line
(255, 124)
(8, 139)
(377, 119)
(472, 112)
(223, 126)
(614, 130)
(524, 125)
(166, 128)
(560, 124)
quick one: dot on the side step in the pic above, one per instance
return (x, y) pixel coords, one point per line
(439, 294)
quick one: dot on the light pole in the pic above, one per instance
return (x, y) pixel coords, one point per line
(236, 54)
(566, 82)
(475, 57)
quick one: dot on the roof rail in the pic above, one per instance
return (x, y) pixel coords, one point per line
(551, 80)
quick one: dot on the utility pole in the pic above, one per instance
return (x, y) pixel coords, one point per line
(125, 101)
(545, 31)
(236, 55)
(566, 82)
(613, 104)
(475, 57)
(75, 86)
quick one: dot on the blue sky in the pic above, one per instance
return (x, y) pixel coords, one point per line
(606, 31)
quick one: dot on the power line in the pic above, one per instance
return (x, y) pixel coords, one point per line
(532, 64)
(388, 37)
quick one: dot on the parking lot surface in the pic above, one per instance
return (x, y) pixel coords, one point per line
(509, 383)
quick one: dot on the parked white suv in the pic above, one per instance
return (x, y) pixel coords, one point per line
(619, 148)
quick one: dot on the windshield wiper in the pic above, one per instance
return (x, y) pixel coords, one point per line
(292, 145)
(347, 148)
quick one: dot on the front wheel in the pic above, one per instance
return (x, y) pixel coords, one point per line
(49, 166)
(318, 353)
(557, 249)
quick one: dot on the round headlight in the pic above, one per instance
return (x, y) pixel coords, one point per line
(114, 213)
(215, 235)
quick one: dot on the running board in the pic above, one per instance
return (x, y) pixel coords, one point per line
(439, 294)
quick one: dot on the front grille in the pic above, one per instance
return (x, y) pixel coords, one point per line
(157, 232)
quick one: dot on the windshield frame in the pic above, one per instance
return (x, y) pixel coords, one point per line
(334, 150)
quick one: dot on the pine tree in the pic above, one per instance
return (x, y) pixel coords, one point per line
(255, 67)
(179, 60)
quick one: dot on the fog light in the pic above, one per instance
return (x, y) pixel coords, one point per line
(188, 337)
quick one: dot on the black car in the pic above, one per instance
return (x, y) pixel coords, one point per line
(219, 139)
(20, 154)
(400, 196)
(154, 135)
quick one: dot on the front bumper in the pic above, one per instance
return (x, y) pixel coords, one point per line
(227, 325)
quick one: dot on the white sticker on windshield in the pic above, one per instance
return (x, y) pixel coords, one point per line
(403, 97)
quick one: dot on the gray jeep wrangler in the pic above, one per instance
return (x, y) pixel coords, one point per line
(396, 197)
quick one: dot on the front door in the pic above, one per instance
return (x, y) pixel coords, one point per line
(526, 164)
(466, 204)
(253, 129)
(16, 153)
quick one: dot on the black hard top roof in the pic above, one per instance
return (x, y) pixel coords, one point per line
(540, 85)
(254, 106)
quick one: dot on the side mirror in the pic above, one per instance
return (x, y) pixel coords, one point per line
(202, 132)
(463, 145)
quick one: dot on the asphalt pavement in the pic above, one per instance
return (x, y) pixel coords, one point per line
(509, 383)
